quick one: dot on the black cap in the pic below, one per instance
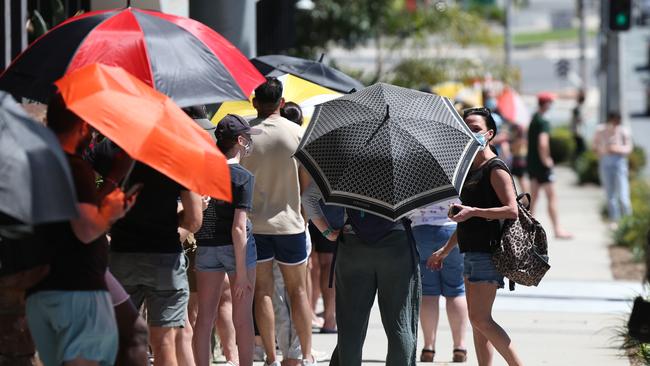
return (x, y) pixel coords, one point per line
(233, 125)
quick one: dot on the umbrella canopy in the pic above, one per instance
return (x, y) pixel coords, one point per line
(387, 150)
(148, 126)
(512, 107)
(314, 71)
(177, 56)
(297, 90)
(36, 185)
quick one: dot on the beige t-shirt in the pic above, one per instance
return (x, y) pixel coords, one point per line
(276, 197)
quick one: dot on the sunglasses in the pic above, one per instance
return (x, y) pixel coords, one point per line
(478, 110)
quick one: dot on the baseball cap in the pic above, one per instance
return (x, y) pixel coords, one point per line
(545, 97)
(233, 125)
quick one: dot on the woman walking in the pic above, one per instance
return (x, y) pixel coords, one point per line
(226, 245)
(488, 196)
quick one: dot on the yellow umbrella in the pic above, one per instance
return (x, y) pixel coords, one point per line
(305, 93)
(459, 91)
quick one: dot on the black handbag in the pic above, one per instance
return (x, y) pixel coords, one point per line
(639, 323)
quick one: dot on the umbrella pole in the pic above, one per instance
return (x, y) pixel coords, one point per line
(125, 181)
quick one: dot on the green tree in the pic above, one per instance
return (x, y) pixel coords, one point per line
(387, 25)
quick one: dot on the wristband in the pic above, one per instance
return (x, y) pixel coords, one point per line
(327, 232)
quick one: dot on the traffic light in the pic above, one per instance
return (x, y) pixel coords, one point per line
(620, 15)
(562, 68)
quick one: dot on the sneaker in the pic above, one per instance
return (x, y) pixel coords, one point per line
(319, 356)
(259, 354)
(310, 363)
(275, 363)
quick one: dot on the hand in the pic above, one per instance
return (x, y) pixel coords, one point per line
(464, 214)
(115, 204)
(548, 162)
(241, 286)
(434, 262)
(333, 235)
(205, 201)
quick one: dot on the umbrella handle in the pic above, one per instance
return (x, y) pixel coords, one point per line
(322, 55)
(125, 181)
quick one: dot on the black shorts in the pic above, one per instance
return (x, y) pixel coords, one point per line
(319, 242)
(518, 168)
(542, 176)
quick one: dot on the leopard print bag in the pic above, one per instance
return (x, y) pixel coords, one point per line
(522, 253)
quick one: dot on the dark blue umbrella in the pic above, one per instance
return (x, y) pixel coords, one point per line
(315, 71)
(36, 185)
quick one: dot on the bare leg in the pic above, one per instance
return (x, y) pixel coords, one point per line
(458, 319)
(314, 268)
(264, 315)
(243, 320)
(163, 344)
(294, 281)
(209, 286)
(329, 294)
(225, 326)
(534, 194)
(133, 336)
(184, 351)
(429, 315)
(549, 189)
(480, 300)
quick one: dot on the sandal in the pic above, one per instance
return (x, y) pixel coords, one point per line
(427, 355)
(460, 355)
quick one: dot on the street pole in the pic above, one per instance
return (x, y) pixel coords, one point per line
(508, 34)
(611, 81)
(583, 44)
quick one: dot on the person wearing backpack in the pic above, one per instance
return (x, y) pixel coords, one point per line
(488, 196)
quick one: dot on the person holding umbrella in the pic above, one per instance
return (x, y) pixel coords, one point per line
(70, 312)
(488, 196)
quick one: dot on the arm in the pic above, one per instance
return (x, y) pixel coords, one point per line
(303, 178)
(239, 241)
(190, 217)
(311, 205)
(544, 149)
(502, 184)
(94, 221)
(435, 260)
(626, 147)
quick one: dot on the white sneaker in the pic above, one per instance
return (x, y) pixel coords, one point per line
(275, 363)
(309, 363)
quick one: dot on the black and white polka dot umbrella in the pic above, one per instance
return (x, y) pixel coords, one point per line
(387, 150)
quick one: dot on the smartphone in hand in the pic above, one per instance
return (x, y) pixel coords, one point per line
(453, 210)
(133, 190)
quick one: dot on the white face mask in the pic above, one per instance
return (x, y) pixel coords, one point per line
(248, 148)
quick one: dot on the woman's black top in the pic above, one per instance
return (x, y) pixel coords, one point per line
(477, 234)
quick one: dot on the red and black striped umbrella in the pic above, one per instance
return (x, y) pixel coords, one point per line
(177, 56)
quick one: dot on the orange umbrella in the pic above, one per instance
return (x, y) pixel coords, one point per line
(148, 126)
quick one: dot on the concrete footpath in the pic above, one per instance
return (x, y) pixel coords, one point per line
(570, 319)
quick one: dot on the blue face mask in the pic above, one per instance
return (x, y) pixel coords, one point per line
(481, 139)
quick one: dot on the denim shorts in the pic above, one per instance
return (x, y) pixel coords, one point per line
(157, 279)
(222, 258)
(448, 281)
(479, 268)
(66, 325)
(285, 249)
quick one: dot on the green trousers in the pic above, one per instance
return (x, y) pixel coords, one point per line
(387, 270)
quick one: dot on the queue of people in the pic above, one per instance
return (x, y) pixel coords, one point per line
(122, 263)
